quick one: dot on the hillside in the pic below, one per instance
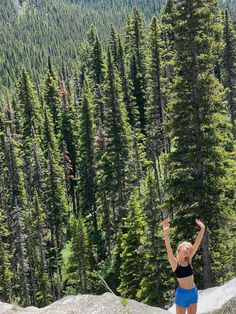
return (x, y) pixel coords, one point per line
(33, 29)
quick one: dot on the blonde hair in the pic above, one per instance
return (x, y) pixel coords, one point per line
(178, 249)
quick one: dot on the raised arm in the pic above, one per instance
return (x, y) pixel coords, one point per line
(171, 258)
(198, 238)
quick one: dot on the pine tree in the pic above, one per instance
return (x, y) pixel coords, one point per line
(32, 117)
(138, 151)
(131, 269)
(138, 65)
(50, 67)
(77, 270)
(154, 288)
(53, 99)
(5, 257)
(112, 272)
(58, 201)
(155, 111)
(91, 35)
(87, 171)
(35, 173)
(126, 86)
(113, 44)
(58, 210)
(36, 227)
(229, 63)
(113, 170)
(87, 187)
(168, 68)
(127, 35)
(69, 144)
(18, 201)
(37, 231)
(200, 161)
(157, 142)
(97, 62)
(96, 73)
(31, 123)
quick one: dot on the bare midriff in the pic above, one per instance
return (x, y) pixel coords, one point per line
(187, 282)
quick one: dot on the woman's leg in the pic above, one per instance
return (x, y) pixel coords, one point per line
(180, 309)
(192, 309)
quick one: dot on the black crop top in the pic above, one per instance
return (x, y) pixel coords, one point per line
(183, 271)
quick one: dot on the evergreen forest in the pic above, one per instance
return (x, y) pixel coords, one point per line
(115, 115)
(32, 30)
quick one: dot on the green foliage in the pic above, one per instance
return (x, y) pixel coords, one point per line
(5, 259)
(34, 30)
(32, 117)
(53, 99)
(113, 171)
(86, 155)
(112, 136)
(124, 302)
(229, 63)
(200, 159)
(17, 198)
(38, 29)
(76, 267)
(68, 139)
(155, 272)
(131, 269)
(137, 55)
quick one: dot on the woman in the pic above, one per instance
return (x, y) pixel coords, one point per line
(186, 294)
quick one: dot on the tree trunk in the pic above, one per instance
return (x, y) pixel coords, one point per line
(206, 257)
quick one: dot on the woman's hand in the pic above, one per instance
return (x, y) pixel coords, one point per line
(200, 224)
(166, 225)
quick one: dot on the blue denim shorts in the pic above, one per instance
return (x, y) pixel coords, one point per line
(186, 297)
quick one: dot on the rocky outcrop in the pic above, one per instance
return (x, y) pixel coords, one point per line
(228, 308)
(87, 304)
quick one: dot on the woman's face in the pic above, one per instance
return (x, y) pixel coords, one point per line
(185, 250)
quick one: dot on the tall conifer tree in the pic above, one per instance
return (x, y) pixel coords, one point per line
(155, 109)
(96, 73)
(157, 142)
(18, 200)
(86, 160)
(77, 269)
(113, 167)
(138, 151)
(138, 64)
(132, 263)
(229, 67)
(58, 210)
(154, 288)
(168, 68)
(32, 117)
(53, 99)
(69, 144)
(199, 162)
(5, 257)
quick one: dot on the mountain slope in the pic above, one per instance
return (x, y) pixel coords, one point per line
(33, 29)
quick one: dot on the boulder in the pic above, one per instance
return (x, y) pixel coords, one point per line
(87, 304)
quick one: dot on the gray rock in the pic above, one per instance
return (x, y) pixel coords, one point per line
(228, 308)
(87, 304)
